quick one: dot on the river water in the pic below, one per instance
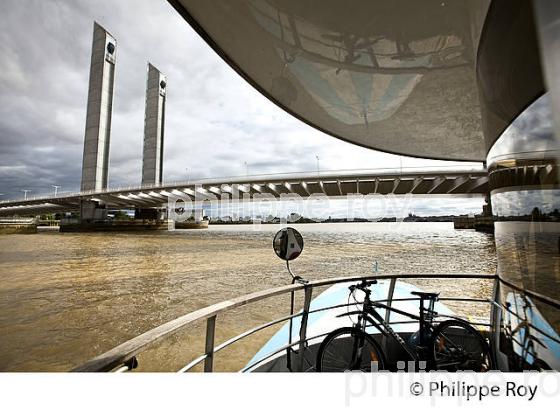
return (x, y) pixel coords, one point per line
(65, 297)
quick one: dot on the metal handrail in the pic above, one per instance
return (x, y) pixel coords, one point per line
(275, 352)
(234, 339)
(530, 325)
(115, 357)
(535, 295)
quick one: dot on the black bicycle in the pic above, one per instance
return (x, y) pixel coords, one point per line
(450, 345)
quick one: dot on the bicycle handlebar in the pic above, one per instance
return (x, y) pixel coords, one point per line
(363, 285)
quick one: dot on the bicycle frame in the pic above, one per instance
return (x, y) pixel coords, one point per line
(370, 315)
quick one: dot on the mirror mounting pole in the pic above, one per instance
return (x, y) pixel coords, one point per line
(295, 278)
(290, 350)
(288, 244)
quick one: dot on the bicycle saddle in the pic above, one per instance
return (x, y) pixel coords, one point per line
(425, 295)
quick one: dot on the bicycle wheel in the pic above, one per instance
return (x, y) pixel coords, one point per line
(348, 348)
(456, 345)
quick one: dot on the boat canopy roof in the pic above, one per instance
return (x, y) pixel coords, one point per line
(433, 78)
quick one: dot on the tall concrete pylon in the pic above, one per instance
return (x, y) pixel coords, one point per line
(154, 123)
(95, 163)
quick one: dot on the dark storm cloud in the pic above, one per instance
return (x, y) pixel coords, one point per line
(41, 96)
(215, 122)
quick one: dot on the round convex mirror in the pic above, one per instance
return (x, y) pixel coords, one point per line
(288, 244)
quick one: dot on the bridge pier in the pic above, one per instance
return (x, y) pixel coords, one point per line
(94, 218)
(154, 214)
(92, 212)
(483, 222)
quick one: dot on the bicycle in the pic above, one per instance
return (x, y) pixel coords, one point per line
(448, 345)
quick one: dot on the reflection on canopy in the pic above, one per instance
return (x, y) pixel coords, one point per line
(355, 79)
(393, 75)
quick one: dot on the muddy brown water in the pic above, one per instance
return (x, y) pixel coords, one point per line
(65, 298)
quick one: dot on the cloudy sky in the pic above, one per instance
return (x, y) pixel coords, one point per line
(215, 121)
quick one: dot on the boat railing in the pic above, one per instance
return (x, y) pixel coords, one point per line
(124, 357)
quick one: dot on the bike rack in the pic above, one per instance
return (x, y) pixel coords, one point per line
(124, 357)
